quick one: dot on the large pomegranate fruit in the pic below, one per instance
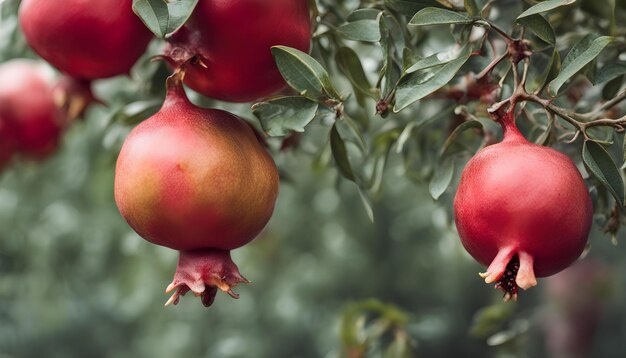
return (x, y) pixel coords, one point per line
(523, 210)
(85, 39)
(30, 121)
(198, 181)
(228, 43)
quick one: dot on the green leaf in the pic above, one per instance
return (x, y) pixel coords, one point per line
(612, 87)
(361, 30)
(552, 69)
(164, 18)
(363, 14)
(452, 138)
(442, 178)
(471, 8)
(545, 6)
(304, 74)
(414, 88)
(282, 115)
(436, 16)
(601, 165)
(350, 65)
(540, 27)
(490, 319)
(410, 7)
(391, 40)
(576, 59)
(136, 112)
(340, 153)
(610, 71)
(367, 205)
(428, 62)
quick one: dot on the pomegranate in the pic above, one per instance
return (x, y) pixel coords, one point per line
(85, 39)
(198, 181)
(523, 210)
(229, 41)
(28, 114)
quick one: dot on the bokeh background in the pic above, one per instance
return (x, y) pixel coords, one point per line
(76, 281)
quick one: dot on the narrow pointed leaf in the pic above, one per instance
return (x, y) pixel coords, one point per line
(610, 71)
(349, 63)
(164, 18)
(442, 178)
(413, 90)
(540, 27)
(436, 16)
(282, 115)
(452, 138)
(361, 30)
(410, 7)
(304, 74)
(601, 165)
(340, 153)
(545, 6)
(573, 64)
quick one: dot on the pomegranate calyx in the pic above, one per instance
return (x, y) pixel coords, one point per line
(73, 96)
(203, 272)
(511, 270)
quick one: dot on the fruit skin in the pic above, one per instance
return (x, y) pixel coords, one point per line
(198, 181)
(519, 199)
(28, 113)
(191, 178)
(85, 39)
(231, 40)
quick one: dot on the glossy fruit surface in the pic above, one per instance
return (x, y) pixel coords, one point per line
(30, 118)
(231, 40)
(522, 208)
(198, 181)
(85, 39)
(191, 178)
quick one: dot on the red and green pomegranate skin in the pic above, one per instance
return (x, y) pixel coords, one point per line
(31, 121)
(231, 42)
(85, 39)
(522, 207)
(198, 181)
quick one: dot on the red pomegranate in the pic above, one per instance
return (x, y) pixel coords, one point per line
(28, 113)
(85, 39)
(198, 181)
(523, 210)
(229, 42)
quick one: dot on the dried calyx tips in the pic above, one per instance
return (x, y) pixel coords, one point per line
(507, 283)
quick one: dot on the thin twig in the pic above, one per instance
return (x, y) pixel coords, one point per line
(492, 65)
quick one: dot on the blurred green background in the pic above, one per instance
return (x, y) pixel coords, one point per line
(76, 281)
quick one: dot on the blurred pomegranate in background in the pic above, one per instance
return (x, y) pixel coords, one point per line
(31, 122)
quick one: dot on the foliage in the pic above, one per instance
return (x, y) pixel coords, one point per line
(394, 98)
